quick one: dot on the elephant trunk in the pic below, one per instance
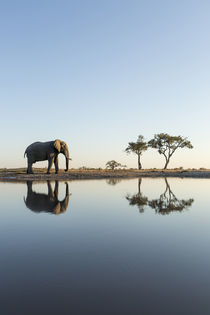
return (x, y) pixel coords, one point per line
(67, 164)
(67, 159)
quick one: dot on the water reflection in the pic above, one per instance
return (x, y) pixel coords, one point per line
(100, 259)
(168, 202)
(165, 204)
(113, 181)
(138, 199)
(40, 202)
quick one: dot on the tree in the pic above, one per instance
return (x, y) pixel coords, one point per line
(138, 148)
(167, 145)
(113, 165)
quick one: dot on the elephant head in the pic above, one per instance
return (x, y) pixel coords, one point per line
(62, 147)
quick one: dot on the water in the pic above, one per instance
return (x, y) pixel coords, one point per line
(107, 247)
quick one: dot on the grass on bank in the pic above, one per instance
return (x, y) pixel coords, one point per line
(100, 170)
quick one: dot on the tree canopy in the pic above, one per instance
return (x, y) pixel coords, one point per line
(138, 148)
(167, 145)
(113, 165)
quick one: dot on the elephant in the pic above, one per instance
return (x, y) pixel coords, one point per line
(41, 151)
(39, 202)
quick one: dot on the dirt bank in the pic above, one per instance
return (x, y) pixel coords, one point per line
(40, 174)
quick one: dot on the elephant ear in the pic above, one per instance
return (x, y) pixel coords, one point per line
(57, 145)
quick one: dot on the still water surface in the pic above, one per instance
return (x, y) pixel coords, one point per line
(105, 247)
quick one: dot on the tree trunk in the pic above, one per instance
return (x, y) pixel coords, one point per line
(165, 167)
(139, 162)
(139, 186)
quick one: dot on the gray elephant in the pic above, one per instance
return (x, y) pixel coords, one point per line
(41, 151)
(39, 202)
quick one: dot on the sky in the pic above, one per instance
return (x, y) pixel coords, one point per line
(97, 74)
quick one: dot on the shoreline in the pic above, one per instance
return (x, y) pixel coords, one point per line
(19, 174)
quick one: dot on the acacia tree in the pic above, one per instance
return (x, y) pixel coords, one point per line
(138, 148)
(167, 145)
(113, 165)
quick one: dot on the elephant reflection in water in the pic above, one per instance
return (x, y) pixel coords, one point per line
(168, 202)
(138, 199)
(165, 204)
(40, 202)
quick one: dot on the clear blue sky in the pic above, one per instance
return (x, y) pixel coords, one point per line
(99, 73)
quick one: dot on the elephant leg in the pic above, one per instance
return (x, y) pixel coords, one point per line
(29, 169)
(56, 164)
(50, 163)
(29, 187)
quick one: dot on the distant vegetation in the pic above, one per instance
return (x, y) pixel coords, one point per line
(112, 165)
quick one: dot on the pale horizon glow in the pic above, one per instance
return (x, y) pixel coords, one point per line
(97, 74)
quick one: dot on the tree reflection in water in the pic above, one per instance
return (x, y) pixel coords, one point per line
(113, 181)
(165, 204)
(138, 199)
(40, 202)
(168, 202)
